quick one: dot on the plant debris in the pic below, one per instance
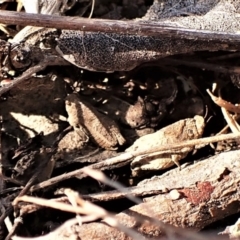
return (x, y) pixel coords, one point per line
(75, 104)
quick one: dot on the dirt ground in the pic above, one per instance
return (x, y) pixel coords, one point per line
(133, 126)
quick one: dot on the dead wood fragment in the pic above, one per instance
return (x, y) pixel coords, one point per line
(89, 211)
(126, 158)
(227, 107)
(54, 60)
(208, 196)
(231, 120)
(222, 103)
(150, 28)
(167, 182)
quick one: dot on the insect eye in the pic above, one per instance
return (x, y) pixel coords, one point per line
(68, 103)
(190, 133)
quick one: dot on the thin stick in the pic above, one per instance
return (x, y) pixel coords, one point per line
(27, 74)
(224, 104)
(149, 28)
(126, 158)
(230, 120)
(49, 61)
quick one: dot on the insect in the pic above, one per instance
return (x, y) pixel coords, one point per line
(186, 129)
(103, 130)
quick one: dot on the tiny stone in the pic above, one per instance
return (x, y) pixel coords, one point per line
(174, 194)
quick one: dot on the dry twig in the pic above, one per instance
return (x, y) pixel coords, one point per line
(126, 158)
(114, 26)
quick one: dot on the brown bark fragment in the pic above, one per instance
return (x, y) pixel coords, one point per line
(218, 197)
(200, 193)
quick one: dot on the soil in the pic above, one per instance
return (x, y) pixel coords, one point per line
(37, 138)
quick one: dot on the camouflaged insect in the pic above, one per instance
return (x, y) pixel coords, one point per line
(103, 130)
